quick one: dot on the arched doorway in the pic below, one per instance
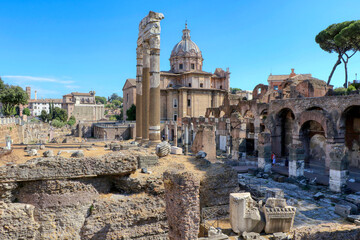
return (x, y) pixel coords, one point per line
(287, 118)
(313, 138)
(351, 126)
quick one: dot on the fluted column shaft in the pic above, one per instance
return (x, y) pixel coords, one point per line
(139, 68)
(145, 93)
(154, 120)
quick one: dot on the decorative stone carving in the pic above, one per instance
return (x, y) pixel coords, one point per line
(278, 215)
(163, 149)
(244, 214)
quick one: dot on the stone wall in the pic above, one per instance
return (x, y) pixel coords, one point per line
(63, 198)
(83, 112)
(182, 204)
(205, 141)
(42, 132)
(32, 132)
(13, 130)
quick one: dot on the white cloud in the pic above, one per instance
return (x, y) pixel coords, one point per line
(72, 86)
(37, 79)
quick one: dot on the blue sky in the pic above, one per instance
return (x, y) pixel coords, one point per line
(57, 47)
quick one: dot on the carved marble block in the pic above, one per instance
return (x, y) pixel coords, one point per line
(279, 217)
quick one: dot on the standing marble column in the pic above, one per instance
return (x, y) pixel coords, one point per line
(186, 138)
(175, 133)
(145, 92)
(154, 121)
(228, 137)
(166, 132)
(139, 66)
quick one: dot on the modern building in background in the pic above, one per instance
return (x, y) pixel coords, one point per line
(36, 106)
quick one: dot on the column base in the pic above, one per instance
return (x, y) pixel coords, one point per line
(144, 141)
(337, 180)
(296, 168)
(138, 139)
(153, 143)
(264, 164)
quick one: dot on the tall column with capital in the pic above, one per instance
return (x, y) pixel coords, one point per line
(154, 121)
(145, 92)
(139, 68)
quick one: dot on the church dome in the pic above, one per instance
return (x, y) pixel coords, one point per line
(185, 45)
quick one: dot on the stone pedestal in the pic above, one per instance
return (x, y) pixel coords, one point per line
(264, 152)
(296, 161)
(182, 205)
(279, 217)
(8, 142)
(205, 141)
(338, 167)
(244, 214)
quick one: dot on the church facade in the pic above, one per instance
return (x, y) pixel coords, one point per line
(186, 90)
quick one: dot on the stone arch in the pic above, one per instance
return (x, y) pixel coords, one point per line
(317, 116)
(315, 108)
(285, 121)
(259, 91)
(349, 126)
(313, 138)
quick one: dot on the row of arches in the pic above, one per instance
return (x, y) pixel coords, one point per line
(314, 128)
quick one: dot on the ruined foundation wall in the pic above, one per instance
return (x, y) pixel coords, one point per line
(64, 198)
(11, 130)
(182, 204)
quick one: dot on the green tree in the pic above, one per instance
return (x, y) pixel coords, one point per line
(233, 90)
(131, 113)
(113, 97)
(99, 99)
(10, 97)
(60, 114)
(44, 116)
(340, 38)
(116, 103)
(2, 85)
(26, 111)
(71, 121)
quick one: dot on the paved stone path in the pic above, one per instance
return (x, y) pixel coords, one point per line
(309, 211)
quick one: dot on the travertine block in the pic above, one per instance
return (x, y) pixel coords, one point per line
(244, 214)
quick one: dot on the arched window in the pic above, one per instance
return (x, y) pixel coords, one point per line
(189, 84)
(201, 85)
(180, 66)
(220, 86)
(175, 103)
(192, 66)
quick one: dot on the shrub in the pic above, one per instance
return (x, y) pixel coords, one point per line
(57, 123)
(340, 91)
(26, 111)
(71, 121)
